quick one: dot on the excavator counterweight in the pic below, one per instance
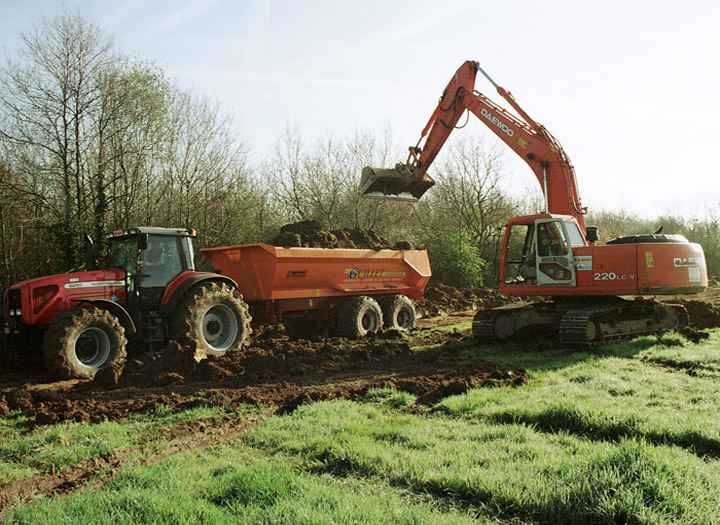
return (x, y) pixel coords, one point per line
(397, 183)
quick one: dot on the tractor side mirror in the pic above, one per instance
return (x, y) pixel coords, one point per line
(143, 241)
(89, 253)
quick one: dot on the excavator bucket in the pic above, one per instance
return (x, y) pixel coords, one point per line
(398, 183)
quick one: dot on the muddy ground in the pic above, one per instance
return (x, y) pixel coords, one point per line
(273, 371)
(282, 374)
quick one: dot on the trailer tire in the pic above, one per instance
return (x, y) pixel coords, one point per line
(214, 317)
(83, 340)
(357, 316)
(398, 312)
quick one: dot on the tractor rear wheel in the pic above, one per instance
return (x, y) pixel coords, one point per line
(398, 312)
(82, 340)
(214, 317)
(357, 316)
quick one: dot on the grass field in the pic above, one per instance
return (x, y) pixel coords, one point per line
(625, 434)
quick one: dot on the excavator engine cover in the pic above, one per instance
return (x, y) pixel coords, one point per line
(399, 183)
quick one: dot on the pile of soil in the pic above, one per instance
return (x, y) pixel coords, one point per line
(311, 235)
(441, 299)
(701, 315)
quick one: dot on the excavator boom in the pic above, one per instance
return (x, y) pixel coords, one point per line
(528, 139)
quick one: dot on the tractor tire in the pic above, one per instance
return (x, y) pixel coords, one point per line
(398, 312)
(82, 340)
(212, 316)
(357, 316)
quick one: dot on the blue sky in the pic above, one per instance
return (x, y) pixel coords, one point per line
(630, 88)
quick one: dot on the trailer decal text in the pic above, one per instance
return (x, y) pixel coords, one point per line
(355, 273)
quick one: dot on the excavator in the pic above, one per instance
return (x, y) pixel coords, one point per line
(594, 291)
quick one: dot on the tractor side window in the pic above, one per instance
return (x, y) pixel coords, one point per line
(551, 239)
(160, 261)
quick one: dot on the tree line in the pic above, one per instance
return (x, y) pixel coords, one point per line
(92, 140)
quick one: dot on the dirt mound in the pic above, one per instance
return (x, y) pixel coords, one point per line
(701, 315)
(310, 234)
(441, 299)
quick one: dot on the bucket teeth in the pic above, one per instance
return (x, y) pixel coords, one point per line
(398, 183)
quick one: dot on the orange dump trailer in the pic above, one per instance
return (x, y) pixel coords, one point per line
(311, 290)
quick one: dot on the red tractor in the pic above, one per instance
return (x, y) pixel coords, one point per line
(150, 288)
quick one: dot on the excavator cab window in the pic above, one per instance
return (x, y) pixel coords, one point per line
(554, 263)
(551, 239)
(520, 255)
(574, 236)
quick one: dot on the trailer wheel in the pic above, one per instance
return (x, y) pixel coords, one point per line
(214, 317)
(82, 340)
(398, 312)
(357, 316)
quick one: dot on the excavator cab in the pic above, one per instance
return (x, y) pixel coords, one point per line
(399, 183)
(539, 252)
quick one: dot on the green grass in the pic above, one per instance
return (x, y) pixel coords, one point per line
(610, 396)
(59, 447)
(511, 471)
(390, 398)
(626, 434)
(234, 484)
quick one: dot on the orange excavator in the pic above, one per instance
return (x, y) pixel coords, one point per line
(553, 253)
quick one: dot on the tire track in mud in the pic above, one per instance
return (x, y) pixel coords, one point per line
(99, 471)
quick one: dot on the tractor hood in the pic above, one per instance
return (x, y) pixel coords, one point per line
(40, 300)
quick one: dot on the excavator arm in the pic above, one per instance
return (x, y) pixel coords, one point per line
(528, 139)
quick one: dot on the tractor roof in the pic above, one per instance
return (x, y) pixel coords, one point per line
(152, 230)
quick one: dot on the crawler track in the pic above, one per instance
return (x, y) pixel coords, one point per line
(579, 322)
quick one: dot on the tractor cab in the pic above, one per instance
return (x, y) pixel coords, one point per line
(151, 258)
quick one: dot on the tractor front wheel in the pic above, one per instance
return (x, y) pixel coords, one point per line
(214, 317)
(82, 340)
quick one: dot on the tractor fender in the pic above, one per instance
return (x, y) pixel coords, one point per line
(168, 307)
(117, 310)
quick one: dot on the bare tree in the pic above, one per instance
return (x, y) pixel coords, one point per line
(48, 100)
